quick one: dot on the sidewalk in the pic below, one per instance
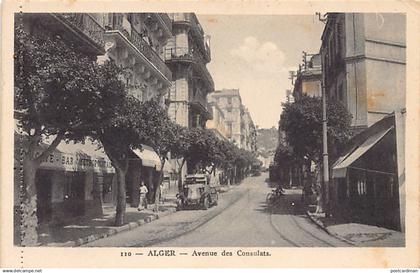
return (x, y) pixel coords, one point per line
(359, 235)
(86, 229)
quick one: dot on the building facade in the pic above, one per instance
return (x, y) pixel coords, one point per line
(249, 132)
(218, 123)
(136, 42)
(308, 78)
(363, 57)
(239, 125)
(363, 62)
(187, 54)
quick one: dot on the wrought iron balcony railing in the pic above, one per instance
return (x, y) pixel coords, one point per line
(164, 19)
(137, 40)
(192, 21)
(86, 24)
(184, 53)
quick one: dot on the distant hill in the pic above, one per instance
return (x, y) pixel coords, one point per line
(267, 140)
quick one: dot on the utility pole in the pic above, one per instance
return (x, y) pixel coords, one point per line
(305, 60)
(292, 76)
(326, 174)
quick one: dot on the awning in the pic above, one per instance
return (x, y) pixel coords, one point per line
(148, 156)
(341, 165)
(74, 157)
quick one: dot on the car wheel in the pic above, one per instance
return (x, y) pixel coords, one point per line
(206, 203)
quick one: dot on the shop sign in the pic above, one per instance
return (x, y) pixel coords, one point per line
(76, 162)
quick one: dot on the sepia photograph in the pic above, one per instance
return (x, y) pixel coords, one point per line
(189, 130)
(209, 135)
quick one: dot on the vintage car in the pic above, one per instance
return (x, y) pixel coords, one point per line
(197, 191)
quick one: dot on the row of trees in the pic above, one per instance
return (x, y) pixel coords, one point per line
(63, 95)
(301, 123)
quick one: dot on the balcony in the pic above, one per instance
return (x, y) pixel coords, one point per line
(183, 54)
(81, 28)
(134, 39)
(190, 20)
(164, 22)
(200, 104)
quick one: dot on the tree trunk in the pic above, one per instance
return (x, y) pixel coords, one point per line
(29, 219)
(180, 176)
(157, 189)
(121, 195)
(31, 162)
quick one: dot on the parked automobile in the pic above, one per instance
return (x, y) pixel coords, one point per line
(197, 191)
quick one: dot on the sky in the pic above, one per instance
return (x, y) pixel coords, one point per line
(255, 53)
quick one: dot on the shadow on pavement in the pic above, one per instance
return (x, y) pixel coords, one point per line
(288, 204)
(88, 225)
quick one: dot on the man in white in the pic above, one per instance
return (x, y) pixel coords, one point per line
(143, 191)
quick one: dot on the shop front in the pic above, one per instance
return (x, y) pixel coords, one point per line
(365, 185)
(144, 165)
(70, 183)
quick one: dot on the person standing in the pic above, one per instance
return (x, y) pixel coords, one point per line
(143, 191)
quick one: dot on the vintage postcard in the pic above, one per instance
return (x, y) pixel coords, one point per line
(210, 134)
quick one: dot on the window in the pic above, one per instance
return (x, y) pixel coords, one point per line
(229, 125)
(341, 92)
(361, 187)
(229, 100)
(340, 37)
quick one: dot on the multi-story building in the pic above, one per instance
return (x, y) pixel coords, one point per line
(230, 102)
(75, 174)
(249, 132)
(308, 78)
(239, 124)
(363, 62)
(363, 57)
(187, 54)
(136, 42)
(218, 123)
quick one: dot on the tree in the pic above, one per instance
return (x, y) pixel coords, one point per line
(163, 135)
(53, 90)
(203, 150)
(302, 123)
(120, 134)
(180, 149)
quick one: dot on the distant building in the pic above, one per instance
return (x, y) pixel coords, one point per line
(308, 78)
(249, 132)
(364, 63)
(187, 54)
(239, 125)
(266, 160)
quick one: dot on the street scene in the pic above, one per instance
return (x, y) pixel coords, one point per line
(192, 130)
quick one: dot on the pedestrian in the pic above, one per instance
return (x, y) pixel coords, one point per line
(161, 193)
(143, 191)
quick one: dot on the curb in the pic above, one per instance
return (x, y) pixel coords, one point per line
(323, 227)
(113, 230)
(152, 242)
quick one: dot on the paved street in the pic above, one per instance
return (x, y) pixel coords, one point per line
(241, 219)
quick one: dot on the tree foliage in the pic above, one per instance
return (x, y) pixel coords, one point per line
(53, 93)
(302, 123)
